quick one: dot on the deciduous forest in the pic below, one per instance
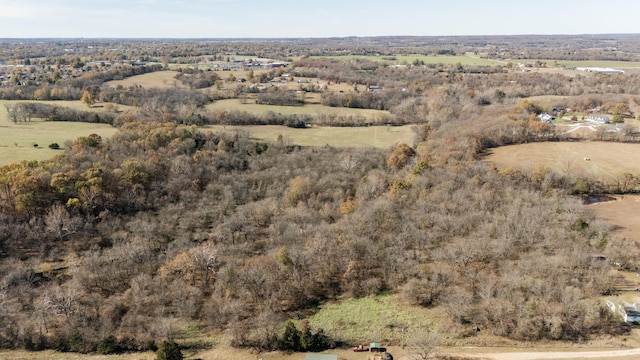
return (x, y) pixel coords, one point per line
(118, 243)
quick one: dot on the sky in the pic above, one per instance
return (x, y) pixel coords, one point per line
(311, 19)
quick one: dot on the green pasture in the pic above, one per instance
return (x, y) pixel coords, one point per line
(309, 109)
(374, 319)
(18, 140)
(382, 137)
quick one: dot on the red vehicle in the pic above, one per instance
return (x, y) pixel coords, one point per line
(360, 348)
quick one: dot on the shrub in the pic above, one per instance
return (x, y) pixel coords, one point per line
(169, 350)
(108, 346)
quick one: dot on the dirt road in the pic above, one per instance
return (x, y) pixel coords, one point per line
(611, 354)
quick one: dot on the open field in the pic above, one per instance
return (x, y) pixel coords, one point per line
(617, 212)
(73, 104)
(17, 140)
(223, 74)
(593, 63)
(309, 109)
(376, 136)
(158, 79)
(607, 159)
(427, 59)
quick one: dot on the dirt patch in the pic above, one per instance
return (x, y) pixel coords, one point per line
(620, 212)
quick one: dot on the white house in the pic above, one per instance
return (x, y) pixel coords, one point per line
(545, 118)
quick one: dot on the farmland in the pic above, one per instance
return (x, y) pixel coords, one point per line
(30, 140)
(606, 161)
(158, 79)
(427, 59)
(382, 137)
(309, 109)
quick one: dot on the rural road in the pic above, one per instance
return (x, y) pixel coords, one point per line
(556, 355)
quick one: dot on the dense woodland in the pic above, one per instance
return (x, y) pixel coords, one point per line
(118, 243)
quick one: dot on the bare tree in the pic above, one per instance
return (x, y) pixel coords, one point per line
(423, 343)
(60, 223)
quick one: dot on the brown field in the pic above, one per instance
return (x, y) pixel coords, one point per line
(376, 136)
(617, 212)
(309, 109)
(608, 160)
(158, 79)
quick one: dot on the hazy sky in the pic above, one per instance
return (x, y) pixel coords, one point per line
(318, 18)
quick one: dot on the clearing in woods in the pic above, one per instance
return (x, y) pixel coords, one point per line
(617, 212)
(309, 109)
(375, 136)
(158, 79)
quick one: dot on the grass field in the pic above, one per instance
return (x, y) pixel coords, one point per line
(591, 63)
(73, 104)
(17, 140)
(376, 136)
(607, 159)
(427, 59)
(617, 212)
(309, 109)
(375, 319)
(158, 79)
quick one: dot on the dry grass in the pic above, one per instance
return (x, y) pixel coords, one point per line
(608, 160)
(310, 109)
(375, 136)
(158, 79)
(73, 104)
(617, 212)
(52, 355)
(464, 60)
